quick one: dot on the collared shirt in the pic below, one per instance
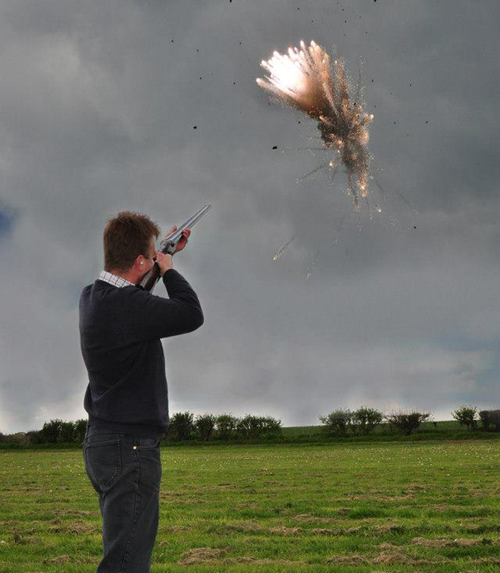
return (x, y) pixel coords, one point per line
(114, 280)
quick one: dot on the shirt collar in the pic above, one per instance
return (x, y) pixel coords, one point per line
(114, 280)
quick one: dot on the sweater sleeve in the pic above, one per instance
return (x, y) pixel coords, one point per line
(159, 317)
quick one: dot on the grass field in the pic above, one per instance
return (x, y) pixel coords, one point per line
(419, 507)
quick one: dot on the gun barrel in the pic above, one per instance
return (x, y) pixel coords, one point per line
(189, 224)
(168, 245)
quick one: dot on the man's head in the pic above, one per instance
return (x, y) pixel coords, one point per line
(129, 244)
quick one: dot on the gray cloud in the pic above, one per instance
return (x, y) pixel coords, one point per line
(99, 104)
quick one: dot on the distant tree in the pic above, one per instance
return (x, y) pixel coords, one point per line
(364, 420)
(407, 422)
(80, 429)
(205, 424)
(51, 432)
(271, 426)
(485, 419)
(490, 419)
(181, 426)
(250, 427)
(67, 433)
(337, 422)
(466, 416)
(226, 426)
(17, 438)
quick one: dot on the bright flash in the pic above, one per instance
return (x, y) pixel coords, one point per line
(305, 80)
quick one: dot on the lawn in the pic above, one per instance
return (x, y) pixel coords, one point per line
(416, 506)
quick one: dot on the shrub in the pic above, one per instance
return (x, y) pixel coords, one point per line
(407, 422)
(226, 426)
(205, 424)
(466, 416)
(250, 427)
(181, 426)
(67, 432)
(490, 418)
(364, 420)
(34, 437)
(18, 438)
(80, 429)
(51, 432)
(271, 426)
(337, 422)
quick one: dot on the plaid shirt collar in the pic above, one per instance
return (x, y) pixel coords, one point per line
(114, 280)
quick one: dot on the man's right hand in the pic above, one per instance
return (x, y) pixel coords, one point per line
(164, 262)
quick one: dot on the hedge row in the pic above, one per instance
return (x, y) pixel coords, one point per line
(342, 422)
(364, 420)
(182, 426)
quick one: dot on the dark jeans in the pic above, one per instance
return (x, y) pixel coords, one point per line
(125, 470)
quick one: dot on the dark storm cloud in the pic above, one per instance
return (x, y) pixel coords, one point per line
(99, 105)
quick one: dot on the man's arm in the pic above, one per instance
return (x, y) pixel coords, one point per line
(159, 317)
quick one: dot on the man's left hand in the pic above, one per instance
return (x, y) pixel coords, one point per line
(184, 239)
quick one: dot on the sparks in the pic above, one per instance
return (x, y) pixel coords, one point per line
(304, 79)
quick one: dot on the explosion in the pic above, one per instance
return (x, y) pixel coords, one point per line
(305, 80)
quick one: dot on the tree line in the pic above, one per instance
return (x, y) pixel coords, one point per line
(207, 427)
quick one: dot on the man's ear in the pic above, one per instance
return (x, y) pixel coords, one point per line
(139, 262)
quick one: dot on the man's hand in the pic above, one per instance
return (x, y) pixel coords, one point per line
(164, 262)
(184, 239)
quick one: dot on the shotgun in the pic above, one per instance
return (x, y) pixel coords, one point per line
(168, 246)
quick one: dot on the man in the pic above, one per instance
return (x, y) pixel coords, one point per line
(121, 325)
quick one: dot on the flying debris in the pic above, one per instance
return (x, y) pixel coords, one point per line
(305, 80)
(279, 252)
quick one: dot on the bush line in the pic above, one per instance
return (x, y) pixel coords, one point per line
(340, 423)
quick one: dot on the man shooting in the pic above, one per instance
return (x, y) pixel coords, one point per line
(121, 325)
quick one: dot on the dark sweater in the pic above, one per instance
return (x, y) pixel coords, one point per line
(120, 332)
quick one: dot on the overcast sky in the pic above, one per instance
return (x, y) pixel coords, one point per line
(152, 106)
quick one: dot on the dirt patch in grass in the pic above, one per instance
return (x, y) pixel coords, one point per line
(76, 528)
(255, 561)
(76, 512)
(216, 487)
(381, 498)
(21, 539)
(488, 560)
(483, 528)
(447, 542)
(309, 518)
(384, 558)
(393, 558)
(286, 530)
(387, 528)
(248, 505)
(173, 529)
(320, 531)
(59, 560)
(243, 526)
(387, 546)
(354, 559)
(199, 555)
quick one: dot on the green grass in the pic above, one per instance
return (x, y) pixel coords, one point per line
(385, 507)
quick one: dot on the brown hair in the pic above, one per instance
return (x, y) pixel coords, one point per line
(125, 237)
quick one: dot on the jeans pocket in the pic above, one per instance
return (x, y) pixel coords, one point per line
(104, 461)
(148, 457)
